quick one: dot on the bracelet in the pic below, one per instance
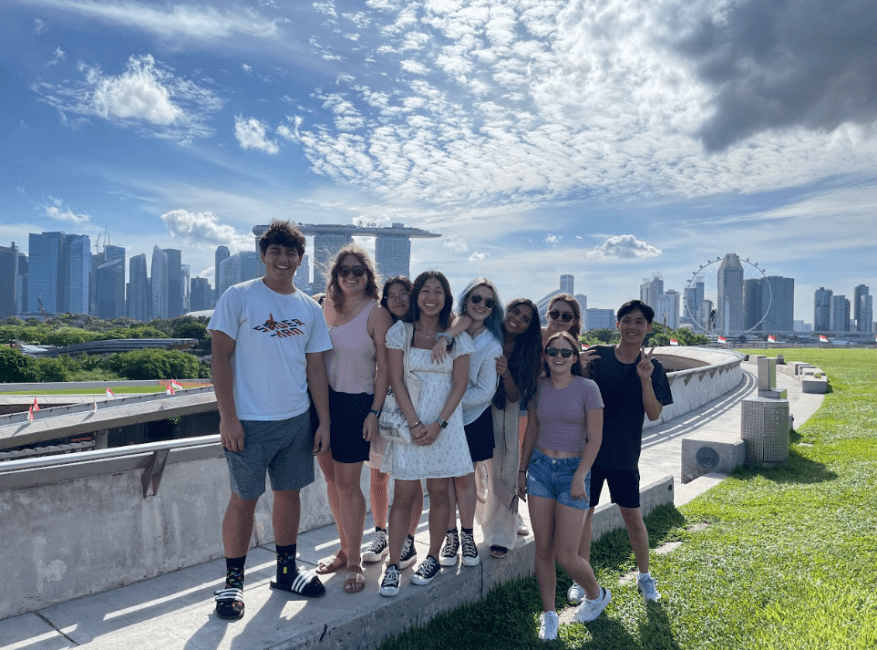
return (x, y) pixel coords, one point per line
(411, 426)
(444, 335)
(376, 412)
(521, 471)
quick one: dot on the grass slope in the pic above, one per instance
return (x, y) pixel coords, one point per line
(780, 558)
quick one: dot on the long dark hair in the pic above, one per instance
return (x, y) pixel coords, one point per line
(576, 368)
(333, 290)
(524, 358)
(409, 287)
(444, 318)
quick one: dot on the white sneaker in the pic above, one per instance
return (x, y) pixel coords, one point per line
(378, 548)
(548, 624)
(589, 610)
(575, 594)
(469, 549)
(648, 588)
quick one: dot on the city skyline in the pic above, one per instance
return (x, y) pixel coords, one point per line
(539, 141)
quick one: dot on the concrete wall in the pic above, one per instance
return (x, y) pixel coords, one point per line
(64, 540)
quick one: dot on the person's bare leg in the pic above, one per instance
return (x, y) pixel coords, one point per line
(379, 496)
(639, 536)
(438, 513)
(347, 477)
(237, 525)
(327, 465)
(542, 518)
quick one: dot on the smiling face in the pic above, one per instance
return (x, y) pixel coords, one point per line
(518, 319)
(352, 285)
(560, 316)
(281, 263)
(476, 303)
(431, 298)
(633, 327)
(558, 363)
(398, 299)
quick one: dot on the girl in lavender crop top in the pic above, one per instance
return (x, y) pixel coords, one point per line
(563, 414)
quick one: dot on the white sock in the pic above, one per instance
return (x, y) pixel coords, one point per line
(643, 576)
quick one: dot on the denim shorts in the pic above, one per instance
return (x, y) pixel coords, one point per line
(550, 478)
(282, 448)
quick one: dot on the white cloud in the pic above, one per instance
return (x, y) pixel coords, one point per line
(59, 213)
(478, 257)
(456, 243)
(624, 247)
(175, 20)
(552, 239)
(147, 97)
(246, 68)
(58, 56)
(251, 134)
(288, 133)
(204, 230)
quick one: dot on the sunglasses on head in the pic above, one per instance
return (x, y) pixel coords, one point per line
(358, 271)
(488, 302)
(565, 316)
(566, 353)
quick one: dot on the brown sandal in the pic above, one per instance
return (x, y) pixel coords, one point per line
(338, 561)
(354, 581)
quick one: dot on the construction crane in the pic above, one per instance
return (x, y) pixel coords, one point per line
(45, 314)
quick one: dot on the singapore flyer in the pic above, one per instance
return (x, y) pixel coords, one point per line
(727, 296)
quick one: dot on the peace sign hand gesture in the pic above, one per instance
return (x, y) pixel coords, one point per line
(645, 366)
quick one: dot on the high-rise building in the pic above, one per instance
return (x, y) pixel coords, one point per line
(601, 319)
(392, 254)
(21, 284)
(650, 289)
(567, 284)
(249, 266)
(201, 295)
(174, 282)
(326, 246)
(78, 286)
(45, 278)
(863, 308)
(729, 310)
(302, 279)
(158, 281)
(752, 311)
(582, 299)
(778, 304)
(138, 288)
(693, 304)
(840, 314)
(222, 253)
(822, 310)
(667, 309)
(185, 270)
(8, 280)
(237, 268)
(111, 289)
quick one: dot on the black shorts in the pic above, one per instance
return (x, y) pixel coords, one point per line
(623, 485)
(479, 435)
(345, 433)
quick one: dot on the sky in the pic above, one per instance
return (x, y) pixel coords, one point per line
(610, 139)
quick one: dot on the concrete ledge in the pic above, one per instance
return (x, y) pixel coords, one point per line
(705, 454)
(815, 385)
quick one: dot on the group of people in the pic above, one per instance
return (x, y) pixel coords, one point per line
(483, 391)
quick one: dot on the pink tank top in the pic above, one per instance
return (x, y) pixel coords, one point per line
(350, 364)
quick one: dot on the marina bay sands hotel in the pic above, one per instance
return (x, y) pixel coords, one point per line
(392, 247)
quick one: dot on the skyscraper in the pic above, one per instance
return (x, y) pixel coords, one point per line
(862, 308)
(392, 254)
(8, 280)
(822, 310)
(752, 308)
(201, 295)
(158, 281)
(693, 303)
(21, 284)
(111, 289)
(567, 284)
(45, 278)
(302, 278)
(667, 308)
(778, 304)
(840, 314)
(650, 289)
(222, 253)
(729, 311)
(77, 286)
(138, 291)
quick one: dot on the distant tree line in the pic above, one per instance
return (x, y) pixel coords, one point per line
(71, 329)
(658, 336)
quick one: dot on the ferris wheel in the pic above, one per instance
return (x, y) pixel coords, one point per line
(727, 296)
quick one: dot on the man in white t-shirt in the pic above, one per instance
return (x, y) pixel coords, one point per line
(268, 341)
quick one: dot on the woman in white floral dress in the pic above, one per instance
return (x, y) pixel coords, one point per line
(438, 451)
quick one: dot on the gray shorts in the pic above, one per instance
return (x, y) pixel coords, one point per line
(280, 447)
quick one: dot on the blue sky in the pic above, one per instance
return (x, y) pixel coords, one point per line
(609, 139)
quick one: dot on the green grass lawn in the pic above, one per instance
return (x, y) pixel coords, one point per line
(769, 559)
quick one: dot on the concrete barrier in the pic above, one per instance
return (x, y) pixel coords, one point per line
(706, 454)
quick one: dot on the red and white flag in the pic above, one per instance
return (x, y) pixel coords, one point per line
(36, 407)
(771, 338)
(94, 405)
(170, 390)
(584, 346)
(674, 342)
(110, 393)
(175, 385)
(722, 339)
(823, 338)
(30, 414)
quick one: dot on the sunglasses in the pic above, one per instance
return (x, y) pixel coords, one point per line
(565, 316)
(566, 353)
(488, 302)
(358, 271)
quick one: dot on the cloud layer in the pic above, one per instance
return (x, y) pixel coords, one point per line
(204, 230)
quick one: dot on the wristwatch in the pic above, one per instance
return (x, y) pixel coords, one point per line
(442, 423)
(377, 412)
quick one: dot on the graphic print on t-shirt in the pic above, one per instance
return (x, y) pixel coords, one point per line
(281, 329)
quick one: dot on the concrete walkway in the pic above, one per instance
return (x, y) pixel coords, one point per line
(175, 611)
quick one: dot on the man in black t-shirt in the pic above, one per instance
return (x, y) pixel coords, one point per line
(633, 385)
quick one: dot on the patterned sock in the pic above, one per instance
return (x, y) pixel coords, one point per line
(234, 572)
(285, 561)
(468, 531)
